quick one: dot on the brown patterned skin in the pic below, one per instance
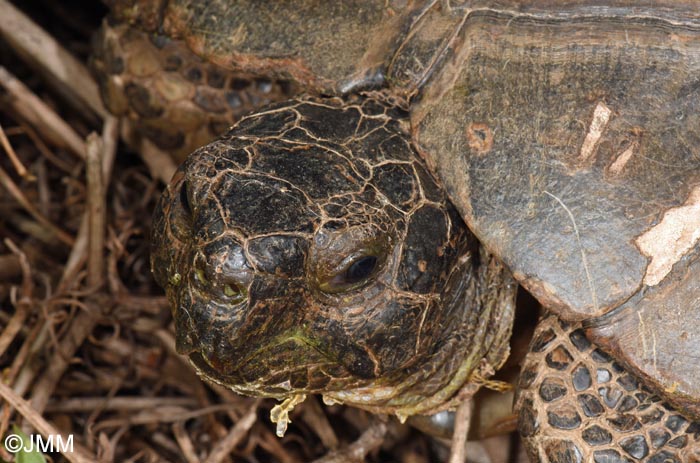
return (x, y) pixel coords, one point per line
(310, 250)
(578, 405)
(171, 96)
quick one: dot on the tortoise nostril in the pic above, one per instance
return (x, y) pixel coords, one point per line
(227, 287)
(200, 276)
(232, 291)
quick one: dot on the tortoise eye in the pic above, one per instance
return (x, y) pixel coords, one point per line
(184, 199)
(360, 269)
(354, 275)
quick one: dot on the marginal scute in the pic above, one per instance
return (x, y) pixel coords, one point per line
(650, 333)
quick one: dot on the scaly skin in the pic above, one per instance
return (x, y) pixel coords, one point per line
(254, 242)
(171, 96)
(577, 404)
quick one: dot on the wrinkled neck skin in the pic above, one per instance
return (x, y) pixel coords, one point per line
(309, 250)
(479, 306)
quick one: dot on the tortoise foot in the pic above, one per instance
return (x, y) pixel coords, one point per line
(578, 405)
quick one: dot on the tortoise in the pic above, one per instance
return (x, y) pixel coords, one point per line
(364, 237)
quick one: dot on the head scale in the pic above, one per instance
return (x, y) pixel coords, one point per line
(310, 250)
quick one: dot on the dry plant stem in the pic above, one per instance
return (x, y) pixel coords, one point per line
(159, 163)
(161, 415)
(19, 167)
(269, 441)
(14, 326)
(42, 187)
(81, 326)
(85, 321)
(371, 439)
(25, 129)
(9, 267)
(185, 443)
(22, 372)
(22, 305)
(163, 441)
(96, 211)
(313, 415)
(16, 192)
(122, 403)
(110, 138)
(76, 259)
(41, 425)
(40, 116)
(42, 51)
(459, 437)
(224, 447)
(107, 446)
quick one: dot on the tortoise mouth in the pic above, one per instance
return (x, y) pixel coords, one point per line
(203, 367)
(277, 370)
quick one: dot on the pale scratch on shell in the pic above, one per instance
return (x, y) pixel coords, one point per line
(601, 116)
(645, 348)
(669, 240)
(642, 329)
(619, 163)
(584, 259)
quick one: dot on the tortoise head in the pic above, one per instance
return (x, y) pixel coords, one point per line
(310, 250)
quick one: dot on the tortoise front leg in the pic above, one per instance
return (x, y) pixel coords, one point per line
(578, 405)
